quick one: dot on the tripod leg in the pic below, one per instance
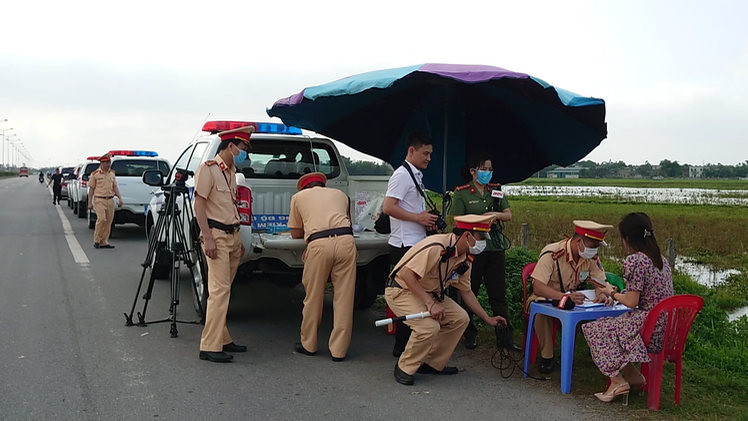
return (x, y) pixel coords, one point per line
(152, 247)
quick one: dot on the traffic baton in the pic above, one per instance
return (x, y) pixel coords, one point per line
(385, 322)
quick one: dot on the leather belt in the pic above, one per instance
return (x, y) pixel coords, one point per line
(329, 233)
(391, 283)
(228, 229)
(103, 197)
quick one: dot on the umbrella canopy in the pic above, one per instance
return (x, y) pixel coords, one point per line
(524, 123)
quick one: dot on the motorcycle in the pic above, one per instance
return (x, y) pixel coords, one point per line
(41, 179)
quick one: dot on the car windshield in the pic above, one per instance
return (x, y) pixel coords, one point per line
(67, 172)
(289, 160)
(91, 168)
(136, 167)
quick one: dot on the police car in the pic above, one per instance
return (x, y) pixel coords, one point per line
(128, 167)
(278, 156)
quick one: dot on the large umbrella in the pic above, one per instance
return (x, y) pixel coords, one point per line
(524, 123)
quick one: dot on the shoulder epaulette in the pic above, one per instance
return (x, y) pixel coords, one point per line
(463, 187)
(558, 254)
(210, 163)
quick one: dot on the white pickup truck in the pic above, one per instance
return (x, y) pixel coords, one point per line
(128, 167)
(279, 155)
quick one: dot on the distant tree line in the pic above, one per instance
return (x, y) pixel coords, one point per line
(366, 167)
(666, 168)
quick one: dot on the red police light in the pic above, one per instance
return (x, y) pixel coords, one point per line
(93, 158)
(220, 126)
(133, 153)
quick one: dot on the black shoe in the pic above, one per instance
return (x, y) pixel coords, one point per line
(108, 246)
(232, 347)
(216, 357)
(96, 245)
(301, 350)
(427, 369)
(546, 366)
(336, 359)
(397, 353)
(471, 342)
(403, 377)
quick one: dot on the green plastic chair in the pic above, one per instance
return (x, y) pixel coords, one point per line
(615, 280)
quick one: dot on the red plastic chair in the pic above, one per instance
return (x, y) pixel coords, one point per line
(681, 311)
(526, 272)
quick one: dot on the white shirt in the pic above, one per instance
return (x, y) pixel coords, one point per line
(402, 188)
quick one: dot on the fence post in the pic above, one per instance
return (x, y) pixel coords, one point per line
(525, 233)
(670, 247)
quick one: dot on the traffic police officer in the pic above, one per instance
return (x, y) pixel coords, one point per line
(321, 216)
(574, 261)
(417, 284)
(102, 187)
(218, 217)
(482, 197)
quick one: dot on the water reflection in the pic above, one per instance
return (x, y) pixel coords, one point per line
(645, 195)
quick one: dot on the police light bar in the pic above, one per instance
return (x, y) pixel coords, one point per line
(273, 128)
(133, 153)
(93, 158)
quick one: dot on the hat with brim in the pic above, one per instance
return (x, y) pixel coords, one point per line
(592, 230)
(477, 223)
(105, 158)
(310, 178)
(242, 133)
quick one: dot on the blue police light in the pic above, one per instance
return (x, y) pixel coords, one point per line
(133, 153)
(277, 128)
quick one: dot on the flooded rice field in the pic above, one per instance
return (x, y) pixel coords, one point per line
(644, 195)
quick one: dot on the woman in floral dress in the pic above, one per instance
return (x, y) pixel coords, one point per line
(616, 342)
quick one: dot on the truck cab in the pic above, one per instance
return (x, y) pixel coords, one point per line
(278, 156)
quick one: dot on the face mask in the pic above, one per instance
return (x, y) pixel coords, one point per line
(478, 248)
(484, 177)
(238, 159)
(588, 253)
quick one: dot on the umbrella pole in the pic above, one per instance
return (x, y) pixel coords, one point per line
(445, 195)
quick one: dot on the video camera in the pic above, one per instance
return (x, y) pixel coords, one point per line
(441, 224)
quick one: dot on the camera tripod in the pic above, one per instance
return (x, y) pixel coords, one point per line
(167, 242)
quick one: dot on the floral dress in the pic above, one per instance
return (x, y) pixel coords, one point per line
(616, 341)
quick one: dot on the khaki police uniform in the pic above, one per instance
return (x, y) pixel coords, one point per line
(103, 184)
(323, 214)
(431, 341)
(555, 257)
(215, 181)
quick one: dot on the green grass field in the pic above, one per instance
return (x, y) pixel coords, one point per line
(643, 182)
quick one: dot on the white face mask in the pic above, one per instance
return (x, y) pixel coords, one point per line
(588, 253)
(478, 248)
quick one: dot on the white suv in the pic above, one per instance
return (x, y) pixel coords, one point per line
(78, 188)
(128, 167)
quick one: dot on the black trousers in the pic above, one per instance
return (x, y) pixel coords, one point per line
(488, 267)
(57, 191)
(402, 331)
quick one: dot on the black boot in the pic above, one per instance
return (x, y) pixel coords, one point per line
(403, 377)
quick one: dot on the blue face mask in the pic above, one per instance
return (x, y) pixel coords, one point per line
(484, 177)
(238, 159)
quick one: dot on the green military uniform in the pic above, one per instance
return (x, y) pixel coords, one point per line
(489, 266)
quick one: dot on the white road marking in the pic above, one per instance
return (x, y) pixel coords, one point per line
(78, 254)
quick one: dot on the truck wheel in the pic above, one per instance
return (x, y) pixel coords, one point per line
(161, 264)
(91, 222)
(82, 209)
(200, 283)
(370, 282)
(364, 297)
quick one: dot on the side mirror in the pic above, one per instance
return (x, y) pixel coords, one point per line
(153, 178)
(86, 177)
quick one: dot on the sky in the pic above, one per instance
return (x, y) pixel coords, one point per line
(78, 78)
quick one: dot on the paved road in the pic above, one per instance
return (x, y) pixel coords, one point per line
(66, 354)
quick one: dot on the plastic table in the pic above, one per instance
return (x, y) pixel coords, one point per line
(569, 320)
